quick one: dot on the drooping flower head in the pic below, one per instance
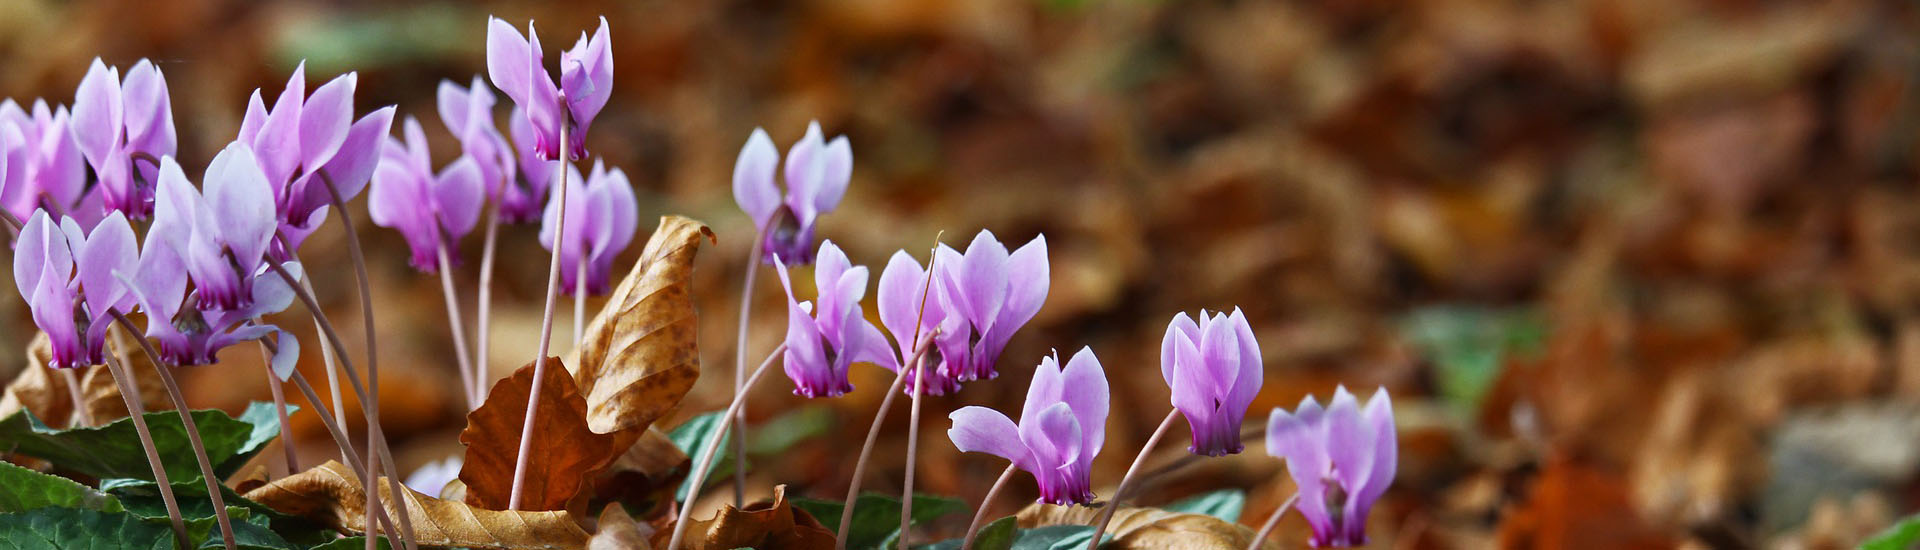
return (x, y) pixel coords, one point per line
(515, 64)
(996, 293)
(1061, 429)
(39, 161)
(601, 218)
(1342, 458)
(816, 178)
(123, 128)
(468, 114)
(432, 211)
(1213, 368)
(67, 278)
(827, 336)
(305, 138)
(913, 308)
(522, 203)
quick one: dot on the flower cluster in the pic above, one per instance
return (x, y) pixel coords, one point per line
(825, 337)
(816, 175)
(124, 128)
(586, 82)
(55, 265)
(1342, 458)
(1061, 429)
(433, 211)
(601, 218)
(307, 143)
(40, 163)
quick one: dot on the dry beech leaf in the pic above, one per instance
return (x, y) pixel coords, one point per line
(649, 471)
(639, 356)
(567, 455)
(1143, 528)
(329, 494)
(762, 525)
(618, 531)
(43, 390)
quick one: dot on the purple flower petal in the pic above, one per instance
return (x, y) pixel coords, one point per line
(1084, 388)
(753, 186)
(325, 119)
(98, 115)
(110, 248)
(983, 430)
(278, 144)
(241, 203)
(458, 195)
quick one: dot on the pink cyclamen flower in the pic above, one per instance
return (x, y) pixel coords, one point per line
(996, 293)
(57, 267)
(221, 233)
(431, 211)
(601, 218)
(816, 175)
(307, 137)
(1061, 430)
(39, 160)
(827, 336)
(521, 204)
(514, 63)
(123, 128)
(1214, 370)
(1342, 458)
(468, 114)
(913, 308)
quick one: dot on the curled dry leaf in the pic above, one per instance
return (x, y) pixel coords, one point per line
(43, 389)
(771, 525)
(618, 531)
(1143, 528)
(568, 454)
(639, 356)
(330, 494)
(648, 472)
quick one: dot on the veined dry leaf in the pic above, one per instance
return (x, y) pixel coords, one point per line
(639, 356)
(1149, 528)
(566, 454)
(763, 525)
(43, 389)
(648, 471)
(618, 531)
(330, 494)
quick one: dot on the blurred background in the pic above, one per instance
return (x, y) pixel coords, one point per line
(1638, 273)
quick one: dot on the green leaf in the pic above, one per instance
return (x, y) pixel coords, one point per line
(783, 432)
(876, 517)
(253, 533)
(266, 428)
(692, 437)
(1469, 346)
(1901, 536)
(998, 535)
(66, 528)
(1224, 504)
(1052, 537)
(27, 489)
(353, 543)
(113, 449)
(142, 498)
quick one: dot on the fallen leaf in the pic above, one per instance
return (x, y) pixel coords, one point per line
(567, 454)
(639, 356)
(1576, 504)
(618, 531)
(1142, 528)
(330, 494)
(771, 525)
(43, 389)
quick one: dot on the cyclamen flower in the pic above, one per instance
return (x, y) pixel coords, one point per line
(520, 204)
(816, 176)
(432, 211)
(910, 313)
(39, 161)
(468, 115)
(123, 128)
(601, 218)
(1214, 370)
(586, 80)
(996, 293)
(1342, 458)
(304, 138)
(220, 234)
(825, 337)
(1061, 430)
(58, 267)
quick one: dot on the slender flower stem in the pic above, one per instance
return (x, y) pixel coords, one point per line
(580, 304)
(973, 529)
(81, 416)
(1106, 515)
(333, 369)
(913, 449)
(546, 322)
(700, 471)
(199, 448)
(136, 410)
(346, 444)
(12, 223)
(860, 466)
(467, 373)
(378, 440)
(1272, 521)
(740, 377)
(279, 406)
(482, 373)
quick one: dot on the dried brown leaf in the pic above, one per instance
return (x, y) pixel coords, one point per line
(1143, 528)
(618, 531)
(330, 494)
(648, 472)
(639, 356)
(764, 525)
(567, 455)
(43, 390)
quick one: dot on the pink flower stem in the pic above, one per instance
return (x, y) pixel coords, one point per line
(193, 438)
(1120, 492)
(279, 407)
(137, 410)
(81, 416)
(700, 471)
(580, 302)
(546, 322)
(913, 448)
(333, 372)
(973, 529)
(860, 466)
(467, 373)
(477, 392)
(13, 224)
(340, 438)
(740, 373)
(1272, 521)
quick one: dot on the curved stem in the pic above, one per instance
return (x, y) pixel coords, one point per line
(580, 303)
(13, 224)
(279, 407)
(913, 448)
(340, 438)
(546, 327)
(483, 332)
(700, 471)
(130, 393)
(454, 324)
(1121, 491)
(973, 529)
(199, 453)
(740, 376)
(81, 416)
(860, 466)
(333, 374)
(1272, 521)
